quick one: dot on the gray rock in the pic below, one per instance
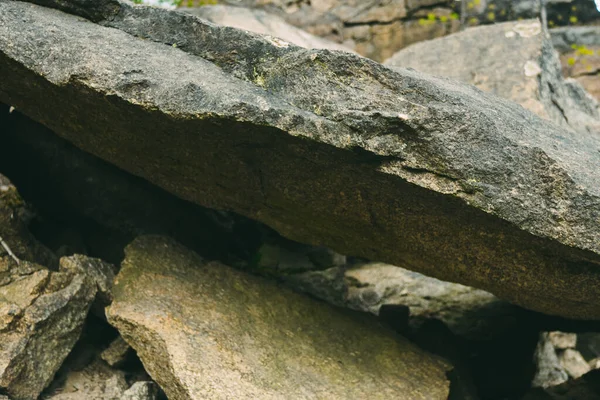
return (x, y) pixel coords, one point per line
(375, 29)
(115, 353)
(42, 316)
(326, 147)
(584, 388)
(280, 257)
(255, 339)
(41, 312)
(259, 21)
(141, 391)
(95, 381)
(549, 370)
(512, 60)
(468, 312)
(379, 28)
(565, 37)
(102, 273)
(98, 381)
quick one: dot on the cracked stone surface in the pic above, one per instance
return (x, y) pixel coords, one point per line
(41, 311)
(511, 60)
(328, 148)
(256, 339)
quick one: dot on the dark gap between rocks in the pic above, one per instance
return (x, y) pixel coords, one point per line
(85, 205)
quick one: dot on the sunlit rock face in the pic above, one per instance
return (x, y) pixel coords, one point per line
(512, 60)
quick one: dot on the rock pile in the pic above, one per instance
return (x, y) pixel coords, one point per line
(115, 282)
(377, 29)
(319, 146)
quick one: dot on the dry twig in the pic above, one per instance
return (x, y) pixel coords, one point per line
(9, 251)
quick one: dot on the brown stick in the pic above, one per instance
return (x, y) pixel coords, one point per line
(9, 251)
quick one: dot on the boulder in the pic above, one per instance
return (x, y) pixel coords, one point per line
(549, 370)
(375, 29)
(41, 311)
(141, 391)
(574, 363)
(259, 21)
(204, 330)
(579, 49)
(328, 148)
(585, 388)
(98, 381)
(116, 353)
(468, 312)
(378, 28)
(102, 273)
(511, 60)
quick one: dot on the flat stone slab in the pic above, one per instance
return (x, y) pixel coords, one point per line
(328, 148)
(207, 331)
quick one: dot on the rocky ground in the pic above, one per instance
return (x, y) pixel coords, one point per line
(128, 131)
(378, 28)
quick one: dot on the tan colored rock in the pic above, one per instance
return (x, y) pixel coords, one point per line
(580, 55)
(563, 340)
(116, 352)
(467, 311)
(583, 65)
(379, 28)
(591, 83)
(141, 391)
(574, 363)
(204, 330)
(594, 363)
(259, 21)
(97, 381)
(511, 60)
